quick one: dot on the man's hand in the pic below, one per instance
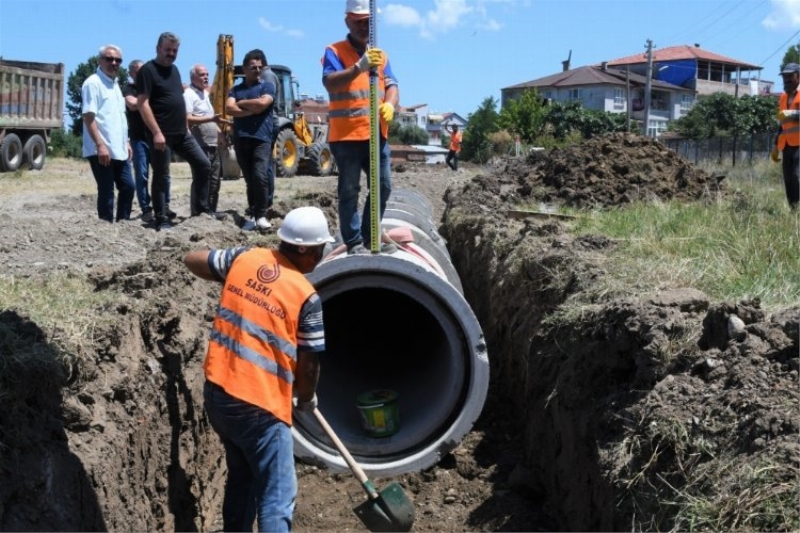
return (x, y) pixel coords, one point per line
(371, 58)
(387, 111)
(307, 406)
(775, 155)
(788, 113)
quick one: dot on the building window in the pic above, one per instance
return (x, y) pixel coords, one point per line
(686, 102)
(573, 94)
(619, 99)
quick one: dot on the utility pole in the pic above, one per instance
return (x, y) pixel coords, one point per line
(647, 86)
(628, 96)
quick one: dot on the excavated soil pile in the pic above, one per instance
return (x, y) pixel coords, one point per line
(652, 413)
(604, 419)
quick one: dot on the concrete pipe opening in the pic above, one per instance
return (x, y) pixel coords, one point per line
(394, 322)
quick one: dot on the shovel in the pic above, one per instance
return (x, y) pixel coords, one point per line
(387, 510)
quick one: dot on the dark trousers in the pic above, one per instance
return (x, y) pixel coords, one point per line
(791, 174)
(186, 146)
(452, 159)
(116, 173)
(255, 157)
(214, 179)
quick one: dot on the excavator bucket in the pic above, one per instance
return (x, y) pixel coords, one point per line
(302, 130)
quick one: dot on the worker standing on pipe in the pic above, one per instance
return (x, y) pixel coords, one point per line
(263, 358)
(345, 74)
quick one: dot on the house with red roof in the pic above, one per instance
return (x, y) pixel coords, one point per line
(679, 75)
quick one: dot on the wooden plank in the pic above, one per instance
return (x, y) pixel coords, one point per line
(524, 213)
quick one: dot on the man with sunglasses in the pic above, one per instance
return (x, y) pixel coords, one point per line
(163, 109)
(105, 136)
(250, 104)
(346, 69)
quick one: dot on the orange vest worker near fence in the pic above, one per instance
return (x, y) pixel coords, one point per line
(264, 349)
(455, 147)
(788, 139)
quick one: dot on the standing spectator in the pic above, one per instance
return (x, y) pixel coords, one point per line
(345, 74)
(163, 110)
(105, 136)
(269, 76)
(250, 104)
(455, 147)
(259, 363)
(141, 151)
(788, 139)
(204, 125)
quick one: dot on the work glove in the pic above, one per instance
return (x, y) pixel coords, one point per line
(371, 58)
(387, 111)
(308, 406)
(775, 155)
(788, 113)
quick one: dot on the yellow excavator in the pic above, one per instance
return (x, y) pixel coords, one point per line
(300, 147)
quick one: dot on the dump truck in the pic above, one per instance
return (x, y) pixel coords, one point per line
(300, 145)
(31, 107)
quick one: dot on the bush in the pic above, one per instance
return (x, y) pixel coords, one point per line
(66, 144)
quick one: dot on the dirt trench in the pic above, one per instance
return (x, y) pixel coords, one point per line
(593, 422)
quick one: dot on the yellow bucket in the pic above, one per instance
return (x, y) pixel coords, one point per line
(379, 413)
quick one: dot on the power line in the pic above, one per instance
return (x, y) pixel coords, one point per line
(701, 22)
(779, 48)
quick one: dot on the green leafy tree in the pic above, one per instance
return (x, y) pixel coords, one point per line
(65, 144)
(74, 96)
(564, 117)
(792, 55)
(399, 134)
(525, 116)
(476, 145)
(723, 114)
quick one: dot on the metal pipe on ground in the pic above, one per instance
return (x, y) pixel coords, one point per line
(396, 322)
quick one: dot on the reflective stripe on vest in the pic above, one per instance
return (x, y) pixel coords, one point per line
(252, 351)
(348, 110)
(790, 127)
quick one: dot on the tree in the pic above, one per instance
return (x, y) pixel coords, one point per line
(399, 134)
(525, 116)
(74, 96)
(724, 114)
(792, 55)
(476, 145)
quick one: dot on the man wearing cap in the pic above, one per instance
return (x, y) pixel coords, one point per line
(263, 360)
(788, 139)
(345, 74)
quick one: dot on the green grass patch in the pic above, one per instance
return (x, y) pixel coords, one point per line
(741, 246)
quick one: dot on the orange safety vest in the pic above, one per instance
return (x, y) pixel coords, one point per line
(790, 127)
(252, 353)
(455, 142)
(348, 110)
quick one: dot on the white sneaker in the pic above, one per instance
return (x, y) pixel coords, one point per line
(263, 223)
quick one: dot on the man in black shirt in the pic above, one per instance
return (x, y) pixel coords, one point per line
(163, 110)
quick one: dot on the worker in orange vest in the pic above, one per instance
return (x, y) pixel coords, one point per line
(346, 69)
(455, 147)
(788, 140)
(263, 359)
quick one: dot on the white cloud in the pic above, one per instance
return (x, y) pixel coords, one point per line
(267, 25)
(445, 16)
(784, 15)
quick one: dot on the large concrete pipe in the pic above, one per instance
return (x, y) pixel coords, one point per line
(396, 322)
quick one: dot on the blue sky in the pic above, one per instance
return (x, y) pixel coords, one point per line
(449, 54)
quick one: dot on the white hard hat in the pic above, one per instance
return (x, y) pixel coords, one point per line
(305, 226)
(357, 7)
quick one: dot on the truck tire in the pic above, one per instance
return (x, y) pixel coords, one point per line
(320, 159)
(10, 153)
(35, 152)
(287, 153)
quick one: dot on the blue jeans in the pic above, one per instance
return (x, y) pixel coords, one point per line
(255, 157)
(259, 454)
(185, 145)
(351, 158)
(141, 167)
(107, 176)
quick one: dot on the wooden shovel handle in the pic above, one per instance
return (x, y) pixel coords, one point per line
(359, 473)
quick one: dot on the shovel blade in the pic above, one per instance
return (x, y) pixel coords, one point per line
(390, 511)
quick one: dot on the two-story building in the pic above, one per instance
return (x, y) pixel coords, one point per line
(678, 76)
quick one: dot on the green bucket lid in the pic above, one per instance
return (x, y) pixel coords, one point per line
(377, 396)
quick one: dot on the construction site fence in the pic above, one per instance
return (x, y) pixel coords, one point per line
(741, 149)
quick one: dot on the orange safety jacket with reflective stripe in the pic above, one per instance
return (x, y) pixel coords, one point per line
(790, 127)
(252, 353)
(348, 110)
(455, 142)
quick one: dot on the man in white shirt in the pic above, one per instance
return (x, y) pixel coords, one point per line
(204, 125)
(105, 136)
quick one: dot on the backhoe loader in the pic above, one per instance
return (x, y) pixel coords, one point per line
(300, 147)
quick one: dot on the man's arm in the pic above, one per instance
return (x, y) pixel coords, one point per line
(256, 105)
(197, 263)
(232, 108)
(307, 375)
(89, 122)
